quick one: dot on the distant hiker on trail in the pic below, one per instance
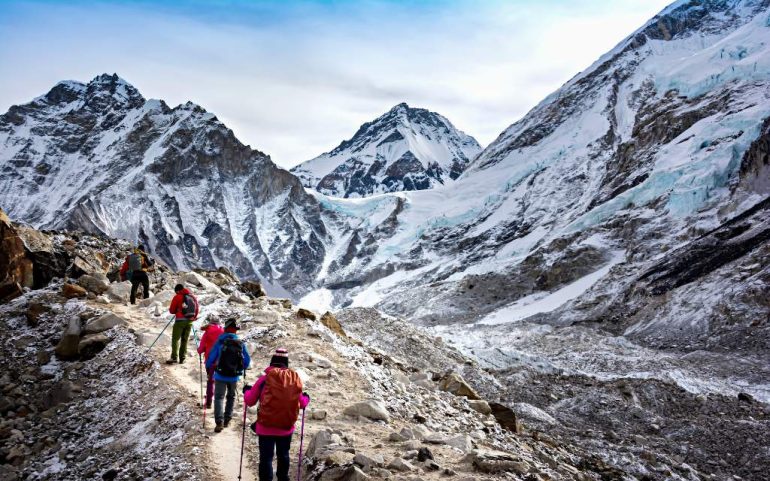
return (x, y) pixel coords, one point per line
(280, 397)
(184, 306)
(135, 269)
(211, 333)
(229, 358)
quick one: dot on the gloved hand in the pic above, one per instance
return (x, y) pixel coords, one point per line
(246, 387)
(306, 395)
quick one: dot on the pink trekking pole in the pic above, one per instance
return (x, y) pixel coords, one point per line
(301, 441)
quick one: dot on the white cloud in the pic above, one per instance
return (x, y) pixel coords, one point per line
(296, 81)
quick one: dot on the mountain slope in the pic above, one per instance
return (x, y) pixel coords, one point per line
(404, 149)
(101, 158)
(636, 155)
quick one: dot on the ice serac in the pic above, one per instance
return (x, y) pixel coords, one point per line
(404, 149)
(101, 158)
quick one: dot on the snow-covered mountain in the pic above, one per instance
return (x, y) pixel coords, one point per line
(404, 149)
(101, 158)
(659, 142)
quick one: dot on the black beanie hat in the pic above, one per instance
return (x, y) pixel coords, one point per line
(178, 287)
(280, 358)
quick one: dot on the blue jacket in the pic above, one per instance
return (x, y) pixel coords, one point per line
(214, 357)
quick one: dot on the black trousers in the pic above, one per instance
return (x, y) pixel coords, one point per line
(139, 277)
(267, 446)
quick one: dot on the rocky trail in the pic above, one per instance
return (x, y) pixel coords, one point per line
(82, 398)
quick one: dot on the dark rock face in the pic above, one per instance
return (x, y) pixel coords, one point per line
(176, 180)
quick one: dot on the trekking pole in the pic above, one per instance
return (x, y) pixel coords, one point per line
(161, 333)
(301, 441)
(243, 439)
(200, 374)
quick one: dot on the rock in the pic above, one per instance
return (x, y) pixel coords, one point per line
(424, 454)
(318, 415)
(370, 409)
(396, 438)
(431, 465)
(306, 314)
(455, 384)
(489, 461)
(409, 455)
(412, 444)
(480, 405)
(461, 441)
(745, 397)
(506, 417)
(63, 392)
(435, 438)
(399, 464)
(333, 324)
(81, 266)
(163, 297)
(119, 291)
(528, 411)
(369, 462)
(238, 298)
(339, 458)
(349, 473)
(407, 433)
(321, 441)
(67, 348)
(91, 345)
(253, 288)
(286, 303)
(34, 311)
(16, 269)
(320, 361)
(71, 291)
(97, 283)
(193, 278)
(103, 323)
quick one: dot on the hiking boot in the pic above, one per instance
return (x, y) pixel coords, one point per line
(171, 361)
(208, 405)
(227, 422)
(181, 361)
(218, 428)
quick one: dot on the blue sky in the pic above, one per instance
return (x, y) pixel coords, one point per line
(293, 79)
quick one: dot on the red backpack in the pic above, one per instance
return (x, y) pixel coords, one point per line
(279, 402)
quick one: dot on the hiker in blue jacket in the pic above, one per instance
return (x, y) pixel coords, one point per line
(229, 358)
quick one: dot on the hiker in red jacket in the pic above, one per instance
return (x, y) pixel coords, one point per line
(185, 307)
(211, 333)
(280, 397)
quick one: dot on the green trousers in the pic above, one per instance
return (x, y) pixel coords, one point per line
(181, 332)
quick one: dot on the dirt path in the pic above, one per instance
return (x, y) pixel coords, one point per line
(224, 448)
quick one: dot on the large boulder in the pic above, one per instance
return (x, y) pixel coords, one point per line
(506, 417)
(119, 291)
(72, 291)
(103, 323)
(306, 314)
(455, 384)
(480, 405)
(162, 298)
(67, 348)
(370, 408)
(96, 283)
(91, 345)
(490, 461)
(333, 324)
(16, 269)
(253, 288)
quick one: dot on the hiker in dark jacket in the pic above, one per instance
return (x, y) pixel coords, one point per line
(185, 308)
(135, 269)
(228, 362)
(277, 414)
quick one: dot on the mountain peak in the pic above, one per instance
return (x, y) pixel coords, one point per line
(405, 148)
(116, 88)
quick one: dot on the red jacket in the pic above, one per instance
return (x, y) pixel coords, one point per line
(209, 338)
(178, 301)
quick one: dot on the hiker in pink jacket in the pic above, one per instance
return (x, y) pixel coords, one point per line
(280, 397)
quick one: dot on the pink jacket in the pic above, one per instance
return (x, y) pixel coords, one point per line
(209, 338)
(251, 397)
